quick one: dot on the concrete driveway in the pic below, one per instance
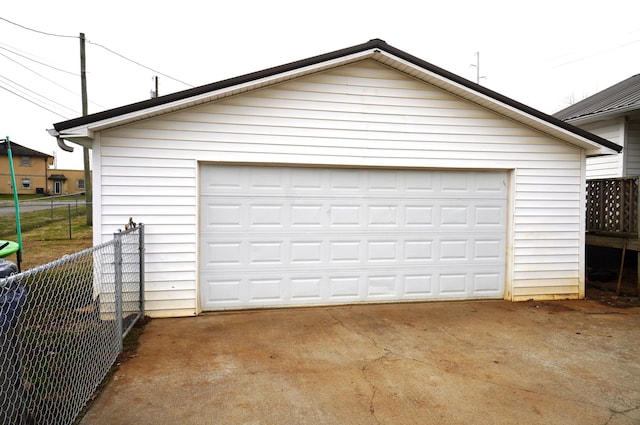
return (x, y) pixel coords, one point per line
(490, 362)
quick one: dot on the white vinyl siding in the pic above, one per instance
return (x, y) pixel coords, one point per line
(607, 166)
(360, 115)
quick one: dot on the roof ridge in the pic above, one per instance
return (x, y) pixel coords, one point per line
(375, 43)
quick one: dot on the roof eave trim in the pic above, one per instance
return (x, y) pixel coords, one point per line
(201, 94)
(599, 116)
(208, 88)
(510, 108)
(88, 129)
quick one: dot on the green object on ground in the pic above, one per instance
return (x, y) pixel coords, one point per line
(8, 248)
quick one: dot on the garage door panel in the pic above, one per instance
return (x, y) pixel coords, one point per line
(489, 215)
(418, 286)
(278, 236)
(308, 215)
(454, 284)
(454, 250)
(308, 289)
(222, 214)
(339, 287)
(345, 287)
(336, 251)
(489, 283)
(488, 250)
(384, 286)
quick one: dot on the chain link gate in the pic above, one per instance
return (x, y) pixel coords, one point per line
(62, 325)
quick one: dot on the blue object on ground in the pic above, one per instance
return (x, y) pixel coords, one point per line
(7, 268)
(12, 299)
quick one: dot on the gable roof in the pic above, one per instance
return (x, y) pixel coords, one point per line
(81, 129)
(20, 150)
(618, 99)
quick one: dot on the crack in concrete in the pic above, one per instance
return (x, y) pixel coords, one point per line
(613, 413)
(365, 367)
(372, 386)
(434, 364)
(342, 324)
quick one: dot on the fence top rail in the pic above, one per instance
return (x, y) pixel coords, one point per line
(56, 204)
(65, 259)
(613, 179)
(71, 197)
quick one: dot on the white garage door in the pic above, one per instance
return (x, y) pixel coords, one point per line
(283, 236)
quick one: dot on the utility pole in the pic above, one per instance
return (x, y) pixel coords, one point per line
(87, 171)
(154, 92)
(477, 65)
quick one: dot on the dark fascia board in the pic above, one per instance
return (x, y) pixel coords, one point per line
(292, 66)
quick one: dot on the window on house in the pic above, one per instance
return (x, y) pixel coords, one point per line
(80, 184)
(26, 161)
(26, 183)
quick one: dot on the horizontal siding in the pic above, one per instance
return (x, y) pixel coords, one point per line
(547, 254)
(361, 115)
(603, 167)
(611, 130)
(607, 166)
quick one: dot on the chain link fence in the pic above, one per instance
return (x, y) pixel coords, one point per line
(61, 328)
(36, 212)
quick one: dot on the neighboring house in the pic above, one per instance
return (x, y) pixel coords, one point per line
(613, 114)
(361, 175)
(64, 182)
(30, 166)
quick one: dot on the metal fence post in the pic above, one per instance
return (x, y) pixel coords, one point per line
(117, 262)
(141, 278)
(69, 217)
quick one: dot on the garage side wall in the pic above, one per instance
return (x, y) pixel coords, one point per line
(607, 166)
(360, 115)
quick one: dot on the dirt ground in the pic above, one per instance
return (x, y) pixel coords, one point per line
(604, 289)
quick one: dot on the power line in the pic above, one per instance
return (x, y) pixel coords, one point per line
(138, 63)
(37, 94)
(40, 63)
(597, 53)
(602, 50)
(51, 81)
(99, 45)
(38, 31)
(38, 74)
(31, 101)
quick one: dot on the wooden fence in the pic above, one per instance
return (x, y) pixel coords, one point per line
(612, 207)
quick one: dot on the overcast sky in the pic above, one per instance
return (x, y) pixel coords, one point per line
(543, 53)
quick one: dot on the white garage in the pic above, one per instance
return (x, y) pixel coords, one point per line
(284, 236)
(361, 175)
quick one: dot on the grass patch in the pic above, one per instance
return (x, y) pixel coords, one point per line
(45, 240)
(35, 216)
(24, 197)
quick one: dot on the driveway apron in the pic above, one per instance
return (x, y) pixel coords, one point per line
(480, 362)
